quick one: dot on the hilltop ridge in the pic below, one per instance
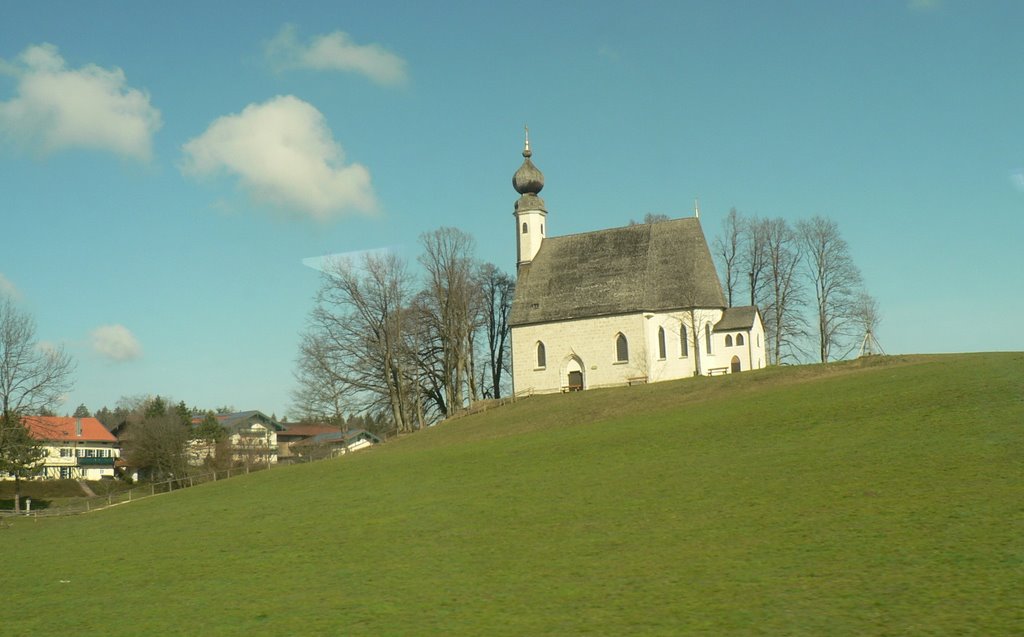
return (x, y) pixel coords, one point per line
(879, 496)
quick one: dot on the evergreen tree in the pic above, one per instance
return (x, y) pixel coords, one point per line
(210, 429)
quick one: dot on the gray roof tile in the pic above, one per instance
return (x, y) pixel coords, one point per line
(646, 267)
(737, 318)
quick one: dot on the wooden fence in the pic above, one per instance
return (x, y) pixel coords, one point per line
(138, 492)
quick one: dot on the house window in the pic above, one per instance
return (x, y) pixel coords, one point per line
(661, 343)
(707, 336)
(524, 227)
(542, 357)
(65, 452)
(65, 473)
(684, 346)
(728, 340)
(621, 349)
(90, 453)
(739, 339)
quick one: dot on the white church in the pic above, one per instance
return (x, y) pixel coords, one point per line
(637, 304)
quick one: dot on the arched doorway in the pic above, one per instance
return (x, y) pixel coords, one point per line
(574, 374)
(735, 364)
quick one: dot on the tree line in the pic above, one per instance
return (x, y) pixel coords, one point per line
(414, 350)
(803, 279)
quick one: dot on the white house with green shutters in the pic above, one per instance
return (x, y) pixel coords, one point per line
(76, 448)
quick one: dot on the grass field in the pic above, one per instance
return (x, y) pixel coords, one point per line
(877, 498)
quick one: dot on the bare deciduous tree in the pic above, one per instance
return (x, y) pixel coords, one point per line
(33, 378)
(322, 393)
(753, 258)
(354, 347)
(835, 279)
(448, 304)
(728, 249)
(649, 218)
(496, 291)
(866, 316)
(156, 438)
(784, 291)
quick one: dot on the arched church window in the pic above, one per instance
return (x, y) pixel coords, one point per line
(661, 343)
(684, 343)
(739, 339)
(524, 227)
(728, 340)
(542, 356)
(621, 349)
(542, 229)
(707, 336)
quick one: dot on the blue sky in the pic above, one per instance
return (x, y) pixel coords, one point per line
(164, 168)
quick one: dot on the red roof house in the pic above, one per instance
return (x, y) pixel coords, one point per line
(76, 448)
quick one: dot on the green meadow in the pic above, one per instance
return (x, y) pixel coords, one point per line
(877, 497)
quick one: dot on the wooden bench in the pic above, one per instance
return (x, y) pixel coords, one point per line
(636, 380)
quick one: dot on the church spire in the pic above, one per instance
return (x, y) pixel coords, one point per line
(528, 180)
(530, 212)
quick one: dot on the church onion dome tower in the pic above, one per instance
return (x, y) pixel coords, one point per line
(530, 212)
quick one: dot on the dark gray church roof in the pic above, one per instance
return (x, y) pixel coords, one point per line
(737, 318)
(646, 267)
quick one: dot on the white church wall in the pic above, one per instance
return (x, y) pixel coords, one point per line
(675, 364)
(751, 354)
(757, 350)
(592, 343)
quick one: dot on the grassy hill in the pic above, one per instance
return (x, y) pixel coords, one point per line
(862, 498)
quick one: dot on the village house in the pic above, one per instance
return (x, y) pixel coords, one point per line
(293, 434)
(76, 448)
(251, 434)
(335, 443)
(636, 304)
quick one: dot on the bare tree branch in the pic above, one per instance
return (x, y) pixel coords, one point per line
(835, 279)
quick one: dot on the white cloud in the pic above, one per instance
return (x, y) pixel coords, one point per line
(91, 107)
(284, 154)
(8, 289)
(115, 342)
(326, 262)
(335, 52)
(1016, 177)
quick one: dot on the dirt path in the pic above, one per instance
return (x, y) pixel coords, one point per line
(85, 489)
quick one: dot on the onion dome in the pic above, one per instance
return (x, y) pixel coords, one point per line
(528, 180)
